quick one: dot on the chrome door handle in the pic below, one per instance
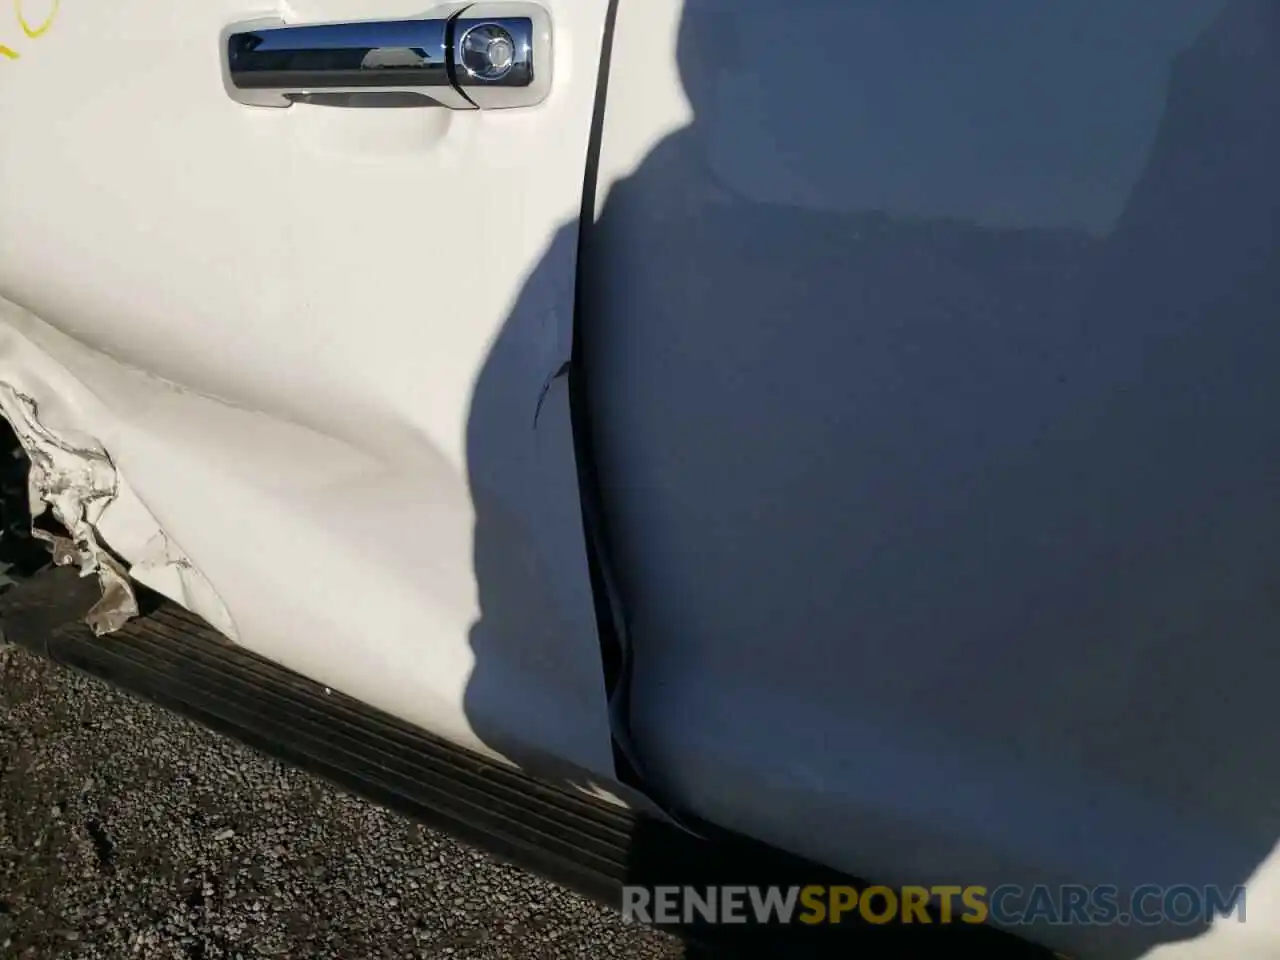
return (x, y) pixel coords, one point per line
(485, 55)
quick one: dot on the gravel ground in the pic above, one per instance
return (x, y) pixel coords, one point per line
(127, 831)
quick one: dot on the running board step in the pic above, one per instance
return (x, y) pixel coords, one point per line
(171, 657)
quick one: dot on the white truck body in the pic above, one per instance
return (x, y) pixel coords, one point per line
(930, 362)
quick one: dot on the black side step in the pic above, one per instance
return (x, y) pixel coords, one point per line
(173, 658)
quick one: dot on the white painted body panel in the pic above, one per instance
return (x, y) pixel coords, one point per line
(939, 566)
(309, 340)
(935, 394)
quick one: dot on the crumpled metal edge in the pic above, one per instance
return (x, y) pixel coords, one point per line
(76, 482)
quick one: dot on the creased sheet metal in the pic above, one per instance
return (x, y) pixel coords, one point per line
(73, 477)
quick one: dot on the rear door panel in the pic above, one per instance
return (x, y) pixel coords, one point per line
(346, 320)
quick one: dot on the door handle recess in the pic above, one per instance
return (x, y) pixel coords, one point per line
(483, 55)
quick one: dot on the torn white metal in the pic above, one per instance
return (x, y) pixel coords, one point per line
(156, 561)
(74, 477)
(76, 481)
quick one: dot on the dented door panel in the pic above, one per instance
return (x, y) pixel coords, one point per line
(304, 348)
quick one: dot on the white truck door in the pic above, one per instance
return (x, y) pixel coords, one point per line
(316, 325)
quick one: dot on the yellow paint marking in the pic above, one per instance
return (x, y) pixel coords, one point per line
(7, 53)
(29, 30)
